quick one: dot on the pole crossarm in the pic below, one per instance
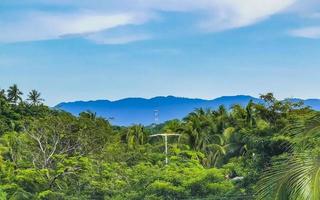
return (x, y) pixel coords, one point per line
(165, 135)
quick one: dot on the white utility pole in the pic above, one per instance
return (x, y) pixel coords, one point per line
(165, 135)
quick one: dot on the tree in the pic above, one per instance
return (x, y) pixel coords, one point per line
(14, 94)
(3, 94)
(298, 175)
(223, 145)
(197, 128)
(136, 136)
(52, 136)
(172, 126)
(13, 146)
(89, 115)
(35, 97)
(211, 133)
(94, 132)
(275, 111)
(250, 115)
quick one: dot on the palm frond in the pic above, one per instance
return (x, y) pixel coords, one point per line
(296, 177)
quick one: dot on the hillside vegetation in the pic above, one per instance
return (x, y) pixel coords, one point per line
(257, 151)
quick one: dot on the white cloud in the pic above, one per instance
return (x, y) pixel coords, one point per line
(230, 14)
(43, 26)
(89, 17)
(222, 14)
(88, 23)
(105, 38)
(305, 7)
(307, 32)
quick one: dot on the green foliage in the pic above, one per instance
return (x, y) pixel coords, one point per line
(3, 195)
(293, 177)
(50, 195)
(297, 175)
(220, 154)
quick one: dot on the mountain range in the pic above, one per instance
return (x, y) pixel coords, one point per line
(145, 111)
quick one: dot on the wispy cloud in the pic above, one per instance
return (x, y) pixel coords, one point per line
(307, 32)
(231, 14)
(105, 38)
(43, 26)
(91, 19)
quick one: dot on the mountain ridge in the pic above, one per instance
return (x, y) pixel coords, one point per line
(137, 110)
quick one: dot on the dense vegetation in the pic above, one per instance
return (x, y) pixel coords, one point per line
(261, 151)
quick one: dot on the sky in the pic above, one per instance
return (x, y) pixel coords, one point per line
(93, 49)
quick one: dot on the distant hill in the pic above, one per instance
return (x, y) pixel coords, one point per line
(141, 111)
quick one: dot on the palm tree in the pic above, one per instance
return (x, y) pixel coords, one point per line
(3, 94)
(250, 116)
(223, 145)
(14, 94)
(222, 118)
(35, 97)
(197, 128)
(209, 132)
(238, 116)
(298, 176)
(172, 126)
(136, 136)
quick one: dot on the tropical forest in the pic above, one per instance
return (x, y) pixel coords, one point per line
(267, 150)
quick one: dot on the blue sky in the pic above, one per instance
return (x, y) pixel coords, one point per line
(87, 49)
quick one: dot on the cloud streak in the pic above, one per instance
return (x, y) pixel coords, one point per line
(307, 32)
(44, 26)
(231, 14)
(92, 19)
(121, 38)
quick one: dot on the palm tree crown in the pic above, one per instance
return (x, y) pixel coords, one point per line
(3, 94)
(136, 136)
(298, 175)
(14, 94)
(35, 97)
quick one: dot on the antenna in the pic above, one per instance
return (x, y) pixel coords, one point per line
(156, 116)
(165, 135)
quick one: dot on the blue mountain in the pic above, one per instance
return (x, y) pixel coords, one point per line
(142, 111)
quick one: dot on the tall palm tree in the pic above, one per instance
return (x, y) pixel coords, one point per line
(35, 97)
(197, 128)
(209, 132)
(136, 136)
(238, 116)
(222, 118)
(243, 117)
(298, 176)
(14, 94)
